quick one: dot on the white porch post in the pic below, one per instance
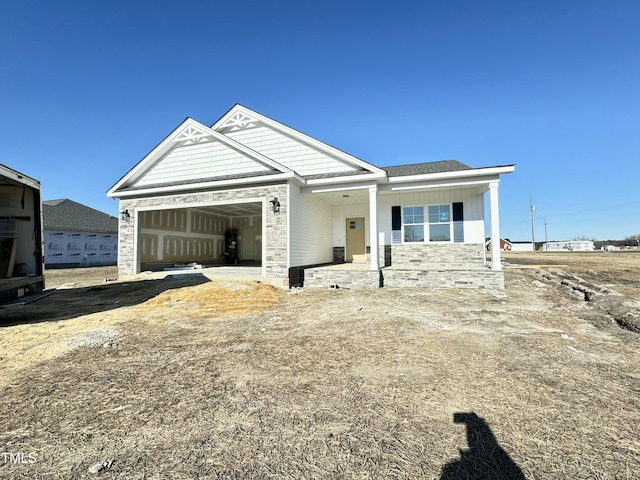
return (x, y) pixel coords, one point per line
(495, 226)
(374, 252)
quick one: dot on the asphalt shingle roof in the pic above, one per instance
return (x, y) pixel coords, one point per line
(425, 168)
(66, 214)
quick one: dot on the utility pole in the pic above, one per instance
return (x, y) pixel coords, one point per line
(546, 242)
(533, 236)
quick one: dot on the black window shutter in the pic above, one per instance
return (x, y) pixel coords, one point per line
(396, 219)
(458, 223)
(458, 212)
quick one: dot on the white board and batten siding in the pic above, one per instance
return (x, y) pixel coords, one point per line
(473, 213)
(340, 215)
(291, 153)
(473, 206)
(193, 162)
(310, 240)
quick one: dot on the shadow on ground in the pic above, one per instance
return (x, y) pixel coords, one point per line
(75, 302)
(485, 458)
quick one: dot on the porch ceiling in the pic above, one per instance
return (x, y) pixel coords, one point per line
(361, 195)
(345, 197)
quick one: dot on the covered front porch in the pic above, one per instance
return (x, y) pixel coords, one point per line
(448, 253)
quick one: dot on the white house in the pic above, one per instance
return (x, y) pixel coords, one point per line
(505, 245)
(521, 247)
(250, 190)
(570, 246)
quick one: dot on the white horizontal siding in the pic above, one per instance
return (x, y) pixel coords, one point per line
(197, 161)
(310, 227)
(473, 209)
(289, 152)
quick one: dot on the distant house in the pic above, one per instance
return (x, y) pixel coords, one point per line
(21, 261)
(569, 246)
(521, 246)
(505, 245)
(77, 236)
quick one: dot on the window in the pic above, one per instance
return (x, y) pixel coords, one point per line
(413, 223)
(440, 223)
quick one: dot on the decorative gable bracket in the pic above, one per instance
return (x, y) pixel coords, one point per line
(238, 121)
(192, 134)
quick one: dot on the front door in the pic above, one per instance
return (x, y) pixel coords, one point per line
(355, 239)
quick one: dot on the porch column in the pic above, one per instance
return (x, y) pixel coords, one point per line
(495, 226)
(373, 228)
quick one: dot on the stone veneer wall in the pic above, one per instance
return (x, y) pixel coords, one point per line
(275, 260)
(453, 265)
(429, 255)
(330, 278)
(443, 278)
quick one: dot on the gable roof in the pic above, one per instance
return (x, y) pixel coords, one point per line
(168, 164)
(244, 147)
(240, 117)
(65, 214)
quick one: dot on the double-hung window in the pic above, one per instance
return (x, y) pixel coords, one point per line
(413, 224)
(439, 223)
(442, 223)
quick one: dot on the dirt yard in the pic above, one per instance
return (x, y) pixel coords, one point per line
(190, 378)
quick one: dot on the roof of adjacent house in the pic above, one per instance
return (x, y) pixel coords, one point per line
(65, 214)
(425, 168)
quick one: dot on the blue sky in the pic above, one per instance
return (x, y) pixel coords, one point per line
(88, 88)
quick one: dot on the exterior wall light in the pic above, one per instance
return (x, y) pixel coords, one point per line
(124, 216)
(276, 205)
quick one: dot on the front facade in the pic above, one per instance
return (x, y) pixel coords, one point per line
(251, 191)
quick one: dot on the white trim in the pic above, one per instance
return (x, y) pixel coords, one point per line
(288, 206)
(338, 188)
(474, 172)
(485, 181)
(494, 213)
(264, 240)
(136, 243)
(216, 184)
(374, 250)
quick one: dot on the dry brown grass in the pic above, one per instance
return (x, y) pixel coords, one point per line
(231, 380)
